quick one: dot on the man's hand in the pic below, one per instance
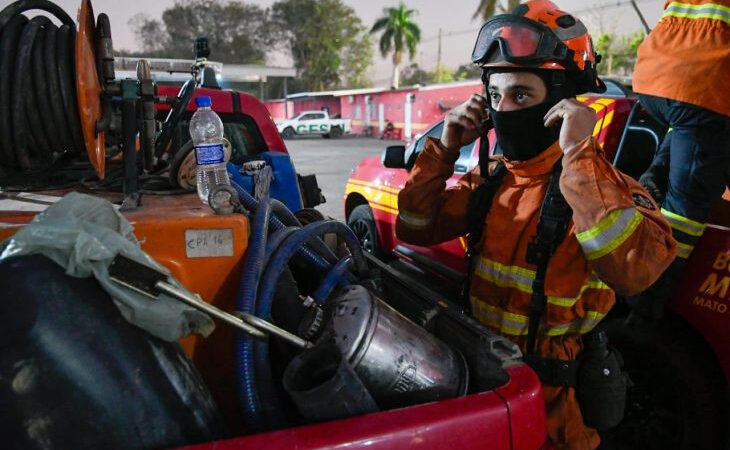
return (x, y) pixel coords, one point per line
(578, 119)
(463, 124)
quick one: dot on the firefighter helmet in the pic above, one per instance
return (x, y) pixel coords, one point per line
(538, 35)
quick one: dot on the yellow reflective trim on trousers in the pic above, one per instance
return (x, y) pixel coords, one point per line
(684, 250)
(683, 224)
(609, 233)
(521, 279)
(705, 11)
(517, 324)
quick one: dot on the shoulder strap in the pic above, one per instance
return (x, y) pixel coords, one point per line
(552, 226)
(480, 202)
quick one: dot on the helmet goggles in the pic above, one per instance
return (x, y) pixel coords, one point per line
(519, 41)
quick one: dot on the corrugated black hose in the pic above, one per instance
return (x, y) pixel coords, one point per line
(39, 118)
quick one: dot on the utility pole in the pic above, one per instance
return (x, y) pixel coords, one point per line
(438, 60)
(641, 16)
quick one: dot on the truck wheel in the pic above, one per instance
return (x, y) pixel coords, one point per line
(361, 222)
(288, 133)
(677, 400)
(336, 132)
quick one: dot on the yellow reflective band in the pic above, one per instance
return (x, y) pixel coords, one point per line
(516, 324)
(503, 321)
(684, 250)
(609, 233)
(683, 224)
(582, 326)
(414, 221)
(706, 11)
(505, 276)
(568, 302)
(521, 279)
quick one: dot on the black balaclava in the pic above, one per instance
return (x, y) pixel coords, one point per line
(522, 134)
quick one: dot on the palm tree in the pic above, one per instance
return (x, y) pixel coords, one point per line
(487, 8)
(399, 33)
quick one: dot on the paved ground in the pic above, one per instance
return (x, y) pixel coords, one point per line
(332, 160)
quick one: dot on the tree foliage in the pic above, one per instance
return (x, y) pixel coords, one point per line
(326, 40)
(487, 8)
(358, 60)
(467, 72)
(237, 32)
(413, 74)
(398, 34)
(618, 52)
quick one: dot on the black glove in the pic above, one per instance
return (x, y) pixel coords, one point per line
(655, 180)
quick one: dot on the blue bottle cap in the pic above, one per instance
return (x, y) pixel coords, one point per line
(202, 102)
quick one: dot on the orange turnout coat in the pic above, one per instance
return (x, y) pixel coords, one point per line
(686, 57)
(617, 241)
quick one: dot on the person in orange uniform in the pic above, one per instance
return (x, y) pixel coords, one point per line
(535, 61)
(679, 69)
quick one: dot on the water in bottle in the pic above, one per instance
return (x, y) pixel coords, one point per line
(206, 130)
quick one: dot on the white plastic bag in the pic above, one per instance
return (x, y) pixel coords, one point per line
(83, 234)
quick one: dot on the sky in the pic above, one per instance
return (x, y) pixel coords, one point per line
(454, 17)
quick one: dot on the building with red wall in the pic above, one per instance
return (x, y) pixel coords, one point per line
(280, 109)
(411, 109)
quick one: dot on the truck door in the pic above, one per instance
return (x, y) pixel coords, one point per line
(320, 124)
(306, 124)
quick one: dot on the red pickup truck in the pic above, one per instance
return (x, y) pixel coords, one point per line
(508, 415)
(680, 370)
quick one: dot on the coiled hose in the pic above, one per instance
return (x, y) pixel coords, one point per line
(332, 279)
(39, 115)
(244, 344)
(258, 395)
(281, 256)
(281, 218)
(291, 245)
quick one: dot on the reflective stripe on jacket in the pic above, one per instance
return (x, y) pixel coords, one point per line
(686, 57)
(615, 242)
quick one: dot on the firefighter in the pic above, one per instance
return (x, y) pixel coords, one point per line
(535, 60)
(679, 67)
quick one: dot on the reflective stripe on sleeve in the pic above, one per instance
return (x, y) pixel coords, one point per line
(706, 11)
(609, 233)
(415, 221)
(684, 250)
(683, 224)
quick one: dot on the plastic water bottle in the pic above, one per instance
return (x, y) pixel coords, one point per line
(206, 129)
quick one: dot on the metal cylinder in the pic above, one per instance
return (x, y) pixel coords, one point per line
(399, 362)
(324, 386)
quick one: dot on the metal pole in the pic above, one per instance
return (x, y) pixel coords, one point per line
(249, 324)
(261, 88)
(286, 99)
(438, 61)
(641, 17)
